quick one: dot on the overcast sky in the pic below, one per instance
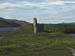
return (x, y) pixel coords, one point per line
(47, 11)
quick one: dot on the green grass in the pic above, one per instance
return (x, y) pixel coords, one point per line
(22, 42)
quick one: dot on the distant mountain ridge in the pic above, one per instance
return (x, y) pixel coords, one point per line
(11, 22)
(72, 23)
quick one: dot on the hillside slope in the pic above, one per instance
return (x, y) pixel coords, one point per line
(11, 22)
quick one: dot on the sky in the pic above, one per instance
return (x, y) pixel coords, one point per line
(46, 11)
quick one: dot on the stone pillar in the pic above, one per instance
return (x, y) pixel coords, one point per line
(35, 24)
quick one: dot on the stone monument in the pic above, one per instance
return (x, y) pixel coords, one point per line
(35, 25)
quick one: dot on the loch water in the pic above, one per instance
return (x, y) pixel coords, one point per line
(8, 28)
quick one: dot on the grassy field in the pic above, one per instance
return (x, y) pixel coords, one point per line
(22, 42)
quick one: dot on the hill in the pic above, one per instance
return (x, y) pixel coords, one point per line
(11, 22)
